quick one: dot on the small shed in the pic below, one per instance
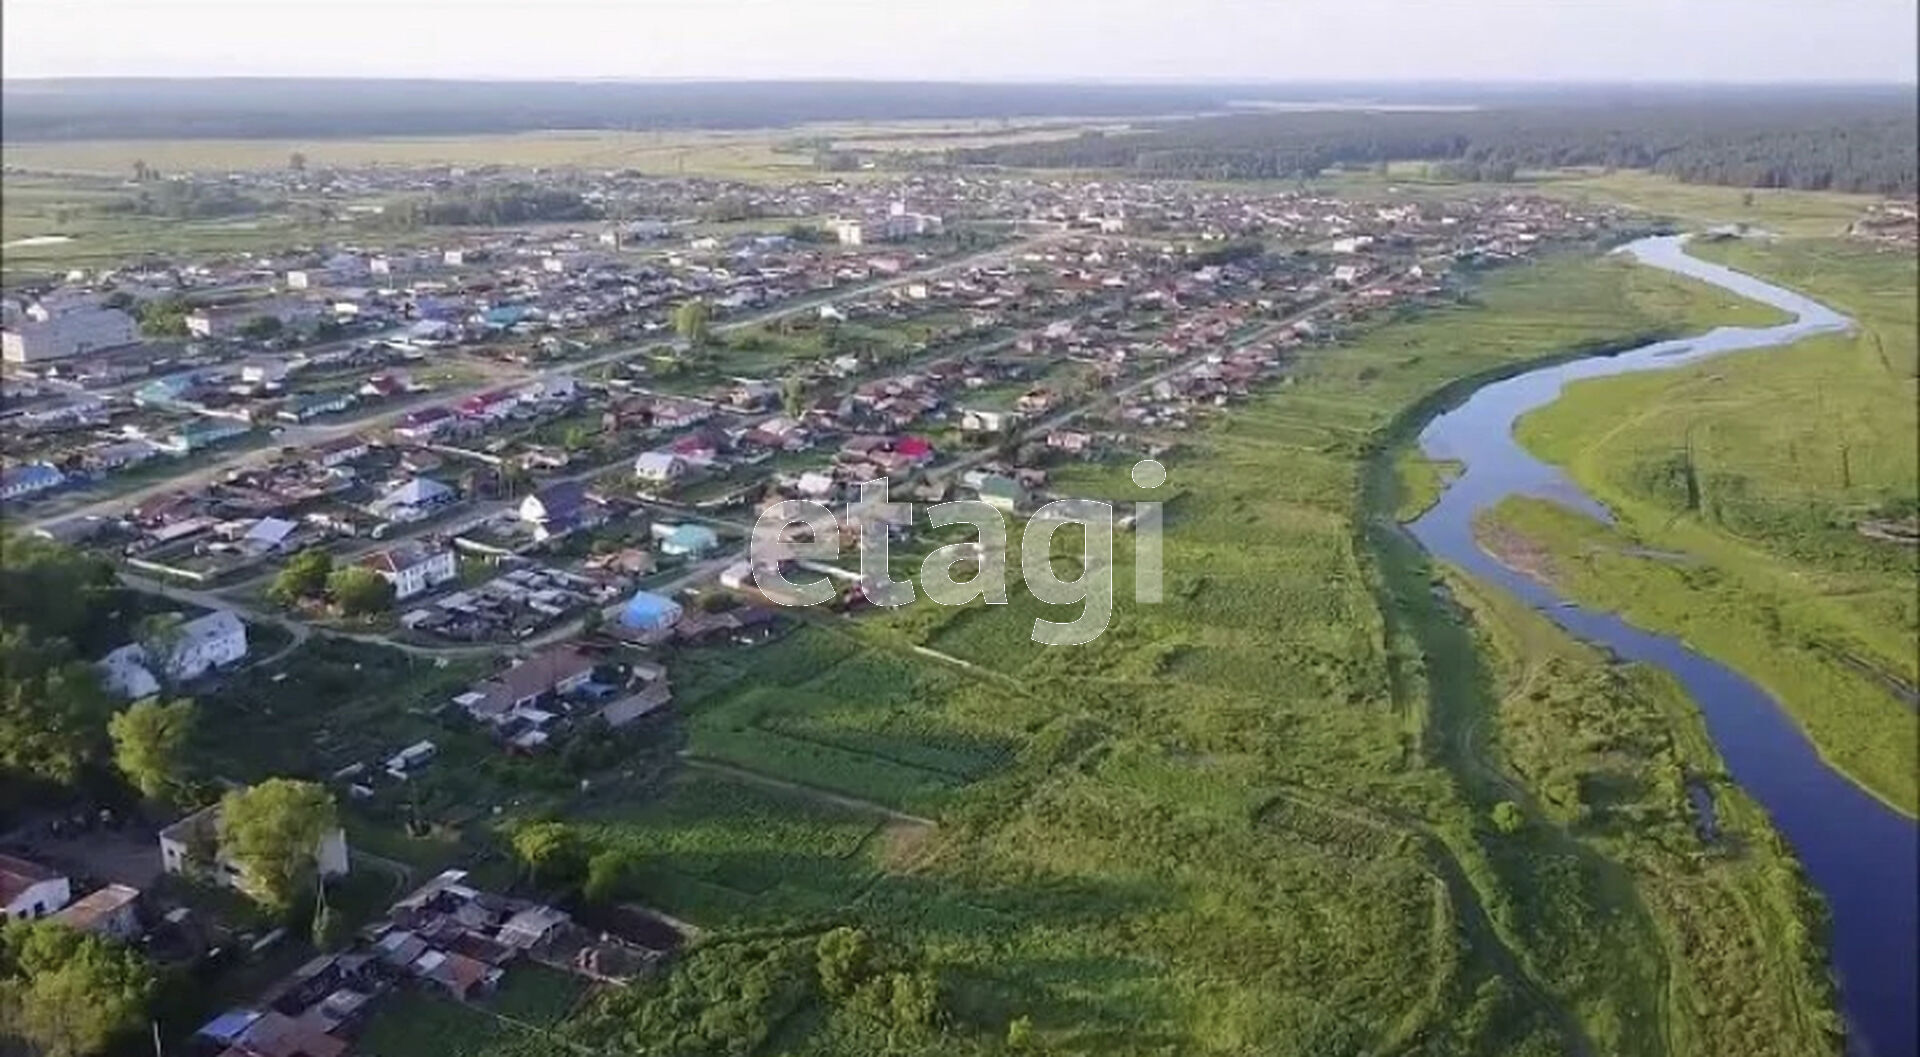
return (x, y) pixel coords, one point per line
(648, 612)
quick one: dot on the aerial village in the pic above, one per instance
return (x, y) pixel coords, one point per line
(528, 459)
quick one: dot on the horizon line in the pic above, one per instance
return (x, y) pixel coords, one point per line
(1105, 82)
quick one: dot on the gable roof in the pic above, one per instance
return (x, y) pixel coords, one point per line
(219, 624)
(560, 501)
(532, 677)
(83, 913)
(17, 875)
(417, 492)
(400, 557)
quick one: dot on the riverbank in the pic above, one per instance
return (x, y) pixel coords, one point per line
(1762, 466)
(1858, 853)
(1857, 722)
(1651, 936)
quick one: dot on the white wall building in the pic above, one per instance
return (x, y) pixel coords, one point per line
(202, 828)
(29, 891)
(413, 568)
(68, 334)
(213, 641)
(849, 232)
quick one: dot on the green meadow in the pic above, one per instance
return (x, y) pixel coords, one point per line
(1325, 799)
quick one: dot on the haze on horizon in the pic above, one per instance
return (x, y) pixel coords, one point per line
(979, 40)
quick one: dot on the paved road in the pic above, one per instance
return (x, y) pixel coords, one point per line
(309, 436)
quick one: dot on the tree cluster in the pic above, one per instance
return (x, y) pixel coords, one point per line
(69, 994)
(1865, 144)
(310, 575)
(185, 200)
(491, 206)
(272, 831)
(55, 612)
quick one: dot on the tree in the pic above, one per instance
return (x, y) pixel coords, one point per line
(150, 743)
(1507, 817)
(1020, 1033)
(57, 592)
(53, 713)
(297, 162)
(141, 174)
(161, 636)
(693, 320)
(793, 395)
(609, 874)
(262, 328)
(915, 1001)
(305, 576)
(67, 993)
(164, 317)
(841, 958)
(549, 850)
(272, 832)
(360, 591)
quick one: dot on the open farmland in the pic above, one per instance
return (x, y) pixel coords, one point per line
(738, 154)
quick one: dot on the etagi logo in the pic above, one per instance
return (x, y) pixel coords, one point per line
(802, 534)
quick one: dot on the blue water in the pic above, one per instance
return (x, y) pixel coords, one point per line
(1859, 853)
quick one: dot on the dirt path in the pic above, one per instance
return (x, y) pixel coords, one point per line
(811, 792)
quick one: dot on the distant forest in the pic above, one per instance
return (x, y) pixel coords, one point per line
(1839, 138)
(272, 108)
(1864, 143)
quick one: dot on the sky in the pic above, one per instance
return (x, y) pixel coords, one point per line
(971, 40)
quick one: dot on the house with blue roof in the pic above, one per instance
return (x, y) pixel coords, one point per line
(647, 614)
(18, 482)
(686, 540)
(302, 407)
(202, 433)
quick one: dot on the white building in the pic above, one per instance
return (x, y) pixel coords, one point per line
(184, 653)
(124, 673)
(849, 232)
(113, 911)
(29, 891)
(659, 467)
(212, 641)
(68, 334)
(201, 830)
(413, 567)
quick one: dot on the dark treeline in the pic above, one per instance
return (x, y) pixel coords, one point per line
(516, 203)
(1865, 142)
(185, 200)
(272, 107)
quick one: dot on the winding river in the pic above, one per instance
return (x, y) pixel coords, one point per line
(1858, 852)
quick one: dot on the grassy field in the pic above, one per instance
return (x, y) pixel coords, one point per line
(1789, 212)
(1761, 466)
(1255, 819)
